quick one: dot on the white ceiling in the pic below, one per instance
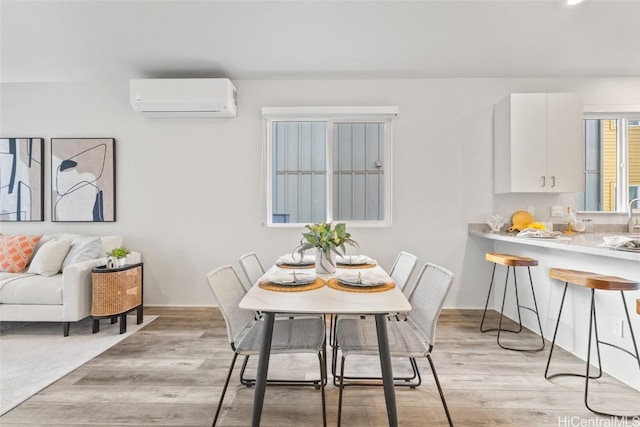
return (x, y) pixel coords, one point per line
(118, 39)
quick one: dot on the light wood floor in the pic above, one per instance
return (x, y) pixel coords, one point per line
(171, 373)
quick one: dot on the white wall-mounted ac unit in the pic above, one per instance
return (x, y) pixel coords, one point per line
(160, 98)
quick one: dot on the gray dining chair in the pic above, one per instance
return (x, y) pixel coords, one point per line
(411, 339)
(252, 267)
(290, 336)
(401, 270)
(400, 273)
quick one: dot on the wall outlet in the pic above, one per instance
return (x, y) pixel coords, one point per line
(557, 211)
(617, 327)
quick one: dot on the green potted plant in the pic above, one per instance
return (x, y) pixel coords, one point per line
(120, 253)
(326, 239)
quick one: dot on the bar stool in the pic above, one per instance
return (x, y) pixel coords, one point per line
(512, 261)
(603, 283)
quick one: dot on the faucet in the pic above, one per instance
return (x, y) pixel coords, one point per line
(630, 225)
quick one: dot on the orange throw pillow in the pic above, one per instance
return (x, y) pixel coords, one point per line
(16, 251)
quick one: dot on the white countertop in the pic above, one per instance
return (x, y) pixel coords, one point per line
(325, 299)
(583, 243)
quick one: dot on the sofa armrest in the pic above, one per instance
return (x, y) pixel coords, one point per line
(76, 288)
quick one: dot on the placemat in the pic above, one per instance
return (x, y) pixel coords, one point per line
(355, 266)
(335, 284)
(270, 286)
(295, 267)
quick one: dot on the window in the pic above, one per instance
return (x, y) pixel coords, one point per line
(612, 162)
(328, 164)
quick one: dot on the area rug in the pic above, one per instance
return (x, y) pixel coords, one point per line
(34, 355)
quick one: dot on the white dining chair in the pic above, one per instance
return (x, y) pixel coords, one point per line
(412, 338)
(401, 270)
(290, 336)
(252, 267)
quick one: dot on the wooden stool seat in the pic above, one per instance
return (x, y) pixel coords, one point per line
(510, 260)
(593, 280)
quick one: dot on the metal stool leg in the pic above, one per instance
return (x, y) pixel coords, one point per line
(486, 306)
(635, 355)
(519, 306)
(555, 334)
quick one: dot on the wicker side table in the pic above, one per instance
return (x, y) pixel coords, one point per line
(114, 293)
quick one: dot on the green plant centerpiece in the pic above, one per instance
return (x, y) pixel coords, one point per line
(328, 241)
(120, 253)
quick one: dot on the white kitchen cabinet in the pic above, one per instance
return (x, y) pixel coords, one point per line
(538, 143)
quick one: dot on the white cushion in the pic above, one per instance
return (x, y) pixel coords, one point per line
(49, 258)
(83, 248)
(28, 289)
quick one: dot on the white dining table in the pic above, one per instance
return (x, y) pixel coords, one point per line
(325, 300)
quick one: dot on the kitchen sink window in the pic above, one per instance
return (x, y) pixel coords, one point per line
(612, 162)
(328, 164)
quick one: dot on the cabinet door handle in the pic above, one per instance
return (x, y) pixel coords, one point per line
(553, 181)
(543, 181)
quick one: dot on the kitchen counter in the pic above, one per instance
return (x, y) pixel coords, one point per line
(583, 252)
(581, 243)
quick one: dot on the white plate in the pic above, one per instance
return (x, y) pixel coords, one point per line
(365, 281)
(354, 260)
(288, 280)
(360, 285)
(297, 264)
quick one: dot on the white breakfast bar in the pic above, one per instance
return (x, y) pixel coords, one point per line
(585, 252)
(325, 300)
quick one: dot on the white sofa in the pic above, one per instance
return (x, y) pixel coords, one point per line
(64, 297)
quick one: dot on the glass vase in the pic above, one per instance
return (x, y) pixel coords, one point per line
(325, 262)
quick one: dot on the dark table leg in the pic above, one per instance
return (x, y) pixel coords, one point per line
(387, 370)
(96, 325)
(263, 367)
(139, 314)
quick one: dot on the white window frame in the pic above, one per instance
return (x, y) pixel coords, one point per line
(330, 115)
(621, 113)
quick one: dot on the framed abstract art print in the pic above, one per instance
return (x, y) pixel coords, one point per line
(83, 180)
(21, 179)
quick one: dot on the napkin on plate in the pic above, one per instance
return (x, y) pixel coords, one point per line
(287, 276)
(354, 259)
(366, 278)
(295, 259)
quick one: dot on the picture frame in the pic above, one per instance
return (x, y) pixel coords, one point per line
(21, 179)
(83, 180)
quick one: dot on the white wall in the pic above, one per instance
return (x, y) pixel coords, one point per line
(188, 190)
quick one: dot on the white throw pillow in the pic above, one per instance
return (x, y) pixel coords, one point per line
(48, 259)
(83, 248)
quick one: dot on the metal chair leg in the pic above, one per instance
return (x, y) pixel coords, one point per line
(340, 392)
(444, 402)
(224, 389)
(323, 373)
